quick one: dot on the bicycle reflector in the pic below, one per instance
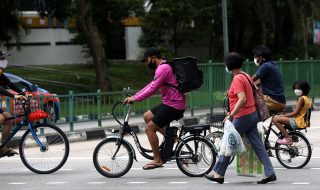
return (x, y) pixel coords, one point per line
(37, 115)
(106, 168)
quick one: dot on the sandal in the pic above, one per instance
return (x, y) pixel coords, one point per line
(152, 166)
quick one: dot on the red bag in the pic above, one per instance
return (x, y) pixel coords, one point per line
(37, 115)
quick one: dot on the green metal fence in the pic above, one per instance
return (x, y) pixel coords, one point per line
(97, 106)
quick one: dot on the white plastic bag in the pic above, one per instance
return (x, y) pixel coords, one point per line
(231, 143)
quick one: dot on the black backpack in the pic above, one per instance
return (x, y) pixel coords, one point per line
(187, 73)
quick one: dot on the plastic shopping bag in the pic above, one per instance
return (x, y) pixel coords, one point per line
(248, 164)
(231, 143)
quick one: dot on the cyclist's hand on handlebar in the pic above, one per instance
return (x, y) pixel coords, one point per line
(129, 100)
(20, 97)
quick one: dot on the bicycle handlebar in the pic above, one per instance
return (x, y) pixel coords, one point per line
(113, 114)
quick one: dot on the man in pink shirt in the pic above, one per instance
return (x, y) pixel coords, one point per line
(173, 101)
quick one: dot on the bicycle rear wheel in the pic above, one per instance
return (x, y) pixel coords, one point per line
(296, 155)
(49, 158)
(110, 166)
(195, 156)
(215, 138)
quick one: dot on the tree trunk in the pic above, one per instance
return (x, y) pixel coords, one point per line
(95, 40)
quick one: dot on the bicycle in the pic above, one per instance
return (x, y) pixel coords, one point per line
(216, 122)
(43, 148)
(292, 156)
(113, 156)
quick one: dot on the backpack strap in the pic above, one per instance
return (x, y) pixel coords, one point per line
(167, 84)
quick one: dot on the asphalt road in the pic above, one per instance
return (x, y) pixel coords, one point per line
(79, 173)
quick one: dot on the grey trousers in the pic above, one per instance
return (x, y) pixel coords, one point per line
(247, 125)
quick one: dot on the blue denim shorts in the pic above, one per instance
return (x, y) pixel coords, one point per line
(293, 123)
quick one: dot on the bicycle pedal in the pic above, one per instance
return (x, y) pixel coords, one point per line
(269, 152)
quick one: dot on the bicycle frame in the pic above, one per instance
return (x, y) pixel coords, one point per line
(17, 128)
(278, 134)
(22, 123)
(125, 128)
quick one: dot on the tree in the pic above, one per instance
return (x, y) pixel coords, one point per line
(10, 25)
(308, 11)
(97, 21)
(168, 22)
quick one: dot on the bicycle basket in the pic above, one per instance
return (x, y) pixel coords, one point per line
(20, 107)
(216, 120)
(31, 109)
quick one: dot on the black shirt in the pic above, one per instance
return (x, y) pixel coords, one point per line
(5, 82)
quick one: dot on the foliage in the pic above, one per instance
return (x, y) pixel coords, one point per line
(176, 22)
(10, 25)
(283, 25)
(108, 16)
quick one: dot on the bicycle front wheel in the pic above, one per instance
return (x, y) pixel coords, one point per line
(296, 155)
(195, 156)
(51, 156)
(215, 138)
(110, 165)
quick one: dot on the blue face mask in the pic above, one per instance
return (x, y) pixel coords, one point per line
(227, 70)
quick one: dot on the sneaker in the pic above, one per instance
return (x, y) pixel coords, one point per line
(285, 140)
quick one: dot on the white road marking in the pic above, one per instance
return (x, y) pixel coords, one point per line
(178, 182)
(56, 183)
(94, 183)
(300, 183)
(17, 183)
(217, 182)
(66, 169)
(137, 182)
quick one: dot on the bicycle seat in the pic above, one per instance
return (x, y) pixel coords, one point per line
(291, 129)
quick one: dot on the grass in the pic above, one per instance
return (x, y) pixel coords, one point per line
(61, 79)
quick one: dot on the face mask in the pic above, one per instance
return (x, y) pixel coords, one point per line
(152, 65)
(3, 63)
(227, 70)
(255, 60)
(298, 92)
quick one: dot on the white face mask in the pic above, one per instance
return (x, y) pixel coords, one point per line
(255, 60)
(3, 63)
(298, 92)
(227, 70)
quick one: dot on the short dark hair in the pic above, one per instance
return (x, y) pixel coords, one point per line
(233, 60)
(150, 52)
(263, 51)
(303, 85)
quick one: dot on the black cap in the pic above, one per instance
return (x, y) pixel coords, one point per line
(150, 52)
(4, 54)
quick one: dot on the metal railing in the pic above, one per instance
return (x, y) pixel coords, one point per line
(97, 106)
